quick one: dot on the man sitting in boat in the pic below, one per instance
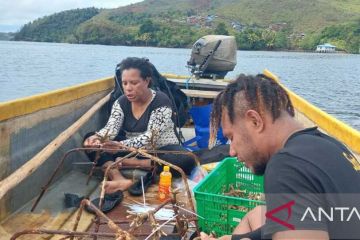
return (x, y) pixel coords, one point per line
(304, 169)
(141, 118)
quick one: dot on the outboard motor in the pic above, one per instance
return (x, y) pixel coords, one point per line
(213, 56)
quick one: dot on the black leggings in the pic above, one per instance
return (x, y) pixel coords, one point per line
(185, 162)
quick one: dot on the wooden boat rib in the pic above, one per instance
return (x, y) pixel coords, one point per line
(29, 124)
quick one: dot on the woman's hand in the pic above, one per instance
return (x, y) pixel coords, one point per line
(112, 146)
(92, 141)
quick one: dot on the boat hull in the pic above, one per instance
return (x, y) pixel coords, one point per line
(23, 136)
(28, 125)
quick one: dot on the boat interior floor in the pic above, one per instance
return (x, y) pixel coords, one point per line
(51, 212)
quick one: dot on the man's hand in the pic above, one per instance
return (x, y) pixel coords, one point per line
(113, 146)
(92, 141)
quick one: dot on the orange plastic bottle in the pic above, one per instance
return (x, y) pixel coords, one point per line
(165, 184)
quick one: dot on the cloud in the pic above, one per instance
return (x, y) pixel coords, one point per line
(18, 12)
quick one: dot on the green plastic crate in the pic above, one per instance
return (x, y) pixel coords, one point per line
(222, 213)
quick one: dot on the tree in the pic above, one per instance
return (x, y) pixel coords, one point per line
(145, 37)
(221, 29)
(281, 40)
(148, 27)
(269, 37)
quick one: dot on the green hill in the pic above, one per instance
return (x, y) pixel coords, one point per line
(58, 27)
(260, 24)
(302, 15)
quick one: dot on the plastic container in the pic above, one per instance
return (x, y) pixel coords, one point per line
(165, 184)
(223, 213)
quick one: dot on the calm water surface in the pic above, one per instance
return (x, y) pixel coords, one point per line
(329, 81)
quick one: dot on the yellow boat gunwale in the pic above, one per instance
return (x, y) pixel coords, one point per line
(333, 126)
(27, 105)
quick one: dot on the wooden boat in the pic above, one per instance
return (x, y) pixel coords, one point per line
(37, 131)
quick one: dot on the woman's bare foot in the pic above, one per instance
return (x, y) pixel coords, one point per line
(113, 186)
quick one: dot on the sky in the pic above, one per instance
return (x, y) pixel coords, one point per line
(15, 13)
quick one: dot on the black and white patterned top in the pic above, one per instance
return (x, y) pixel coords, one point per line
(154, 128)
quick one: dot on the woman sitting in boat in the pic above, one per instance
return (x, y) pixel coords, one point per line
(141, 118)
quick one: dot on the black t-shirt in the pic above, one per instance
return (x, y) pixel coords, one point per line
(154, 128)
(308, 182)
(131, 124)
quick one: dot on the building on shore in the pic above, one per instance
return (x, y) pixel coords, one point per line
(326, 48)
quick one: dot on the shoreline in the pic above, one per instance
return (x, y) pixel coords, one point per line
(316, 77)
(248, 50)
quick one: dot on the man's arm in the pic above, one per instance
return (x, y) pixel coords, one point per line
(290, 189)
(252, 221)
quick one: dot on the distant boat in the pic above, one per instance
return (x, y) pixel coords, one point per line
(326, 48)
